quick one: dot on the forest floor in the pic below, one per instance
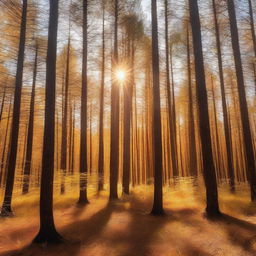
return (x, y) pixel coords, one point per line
(125, 228)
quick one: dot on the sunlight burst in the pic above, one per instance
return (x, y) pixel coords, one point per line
(120, 75)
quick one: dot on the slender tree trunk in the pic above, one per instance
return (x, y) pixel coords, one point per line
(57, 142)
(136, 136)
(101, 117)
(2, 104)
(127, 131)
(180, 152)
(114, 143)
(212, 207)
(91, 153)
(247, 133)
(6, 208)
(24, 149)
(173, 128)
(70, 137)
(133, 160)
(217, 140)
(157, 133)
(239, 134)
(29, 142)
(143, 155)
(224, 103)
(83, 130)
(47, 232)
(64, 137)
(73, 143)
(148, 128)
(231, 142)
(147, 122)
(3, 167)
(254, 74)
(7, 159)
(191, 121)
(168, 87)
(165, 153)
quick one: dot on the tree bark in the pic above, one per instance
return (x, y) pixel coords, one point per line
(29, 142)
(64, 137)
(3, 166)
(101, 117)
(169, 100)
(2, 104)
(224, 103)
(90, 130)
(47, 232)
(191, 121)
(157, 133)
(212, 207)
(217, 146)
(247, 133)
(114, 143)
(6, 208)
(127, 130)
(83, 130)
(70, 138)
(73, 143)
(173, 128)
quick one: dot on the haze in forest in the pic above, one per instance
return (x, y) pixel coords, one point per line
(128, 127)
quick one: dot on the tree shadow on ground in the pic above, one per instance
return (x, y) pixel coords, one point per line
(91, 227)
(78, 210)
(140, 232)
(75, 234)
(145, 230)
(240, 232)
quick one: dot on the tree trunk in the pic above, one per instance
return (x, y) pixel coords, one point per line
(224, 103)
(180, 152)
(83, 130)
(101, 117)
(57, 142)
(2, 104)
(90, 128)
(148, 126)
(6, 208)
(191, 121)
(127, 130)
(73, 142)
(173, 128)
(212, 207)
(217, 139)
(168, 88)
(136, 136)
(114, 143)
(70, 138)
(247, 133)
(240, 145)
(29, 142)
(24, 149)
(63, 160)
(3, 167)
(47, 232)
(157, 133)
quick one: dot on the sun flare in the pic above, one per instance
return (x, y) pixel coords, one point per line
(120, 75)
